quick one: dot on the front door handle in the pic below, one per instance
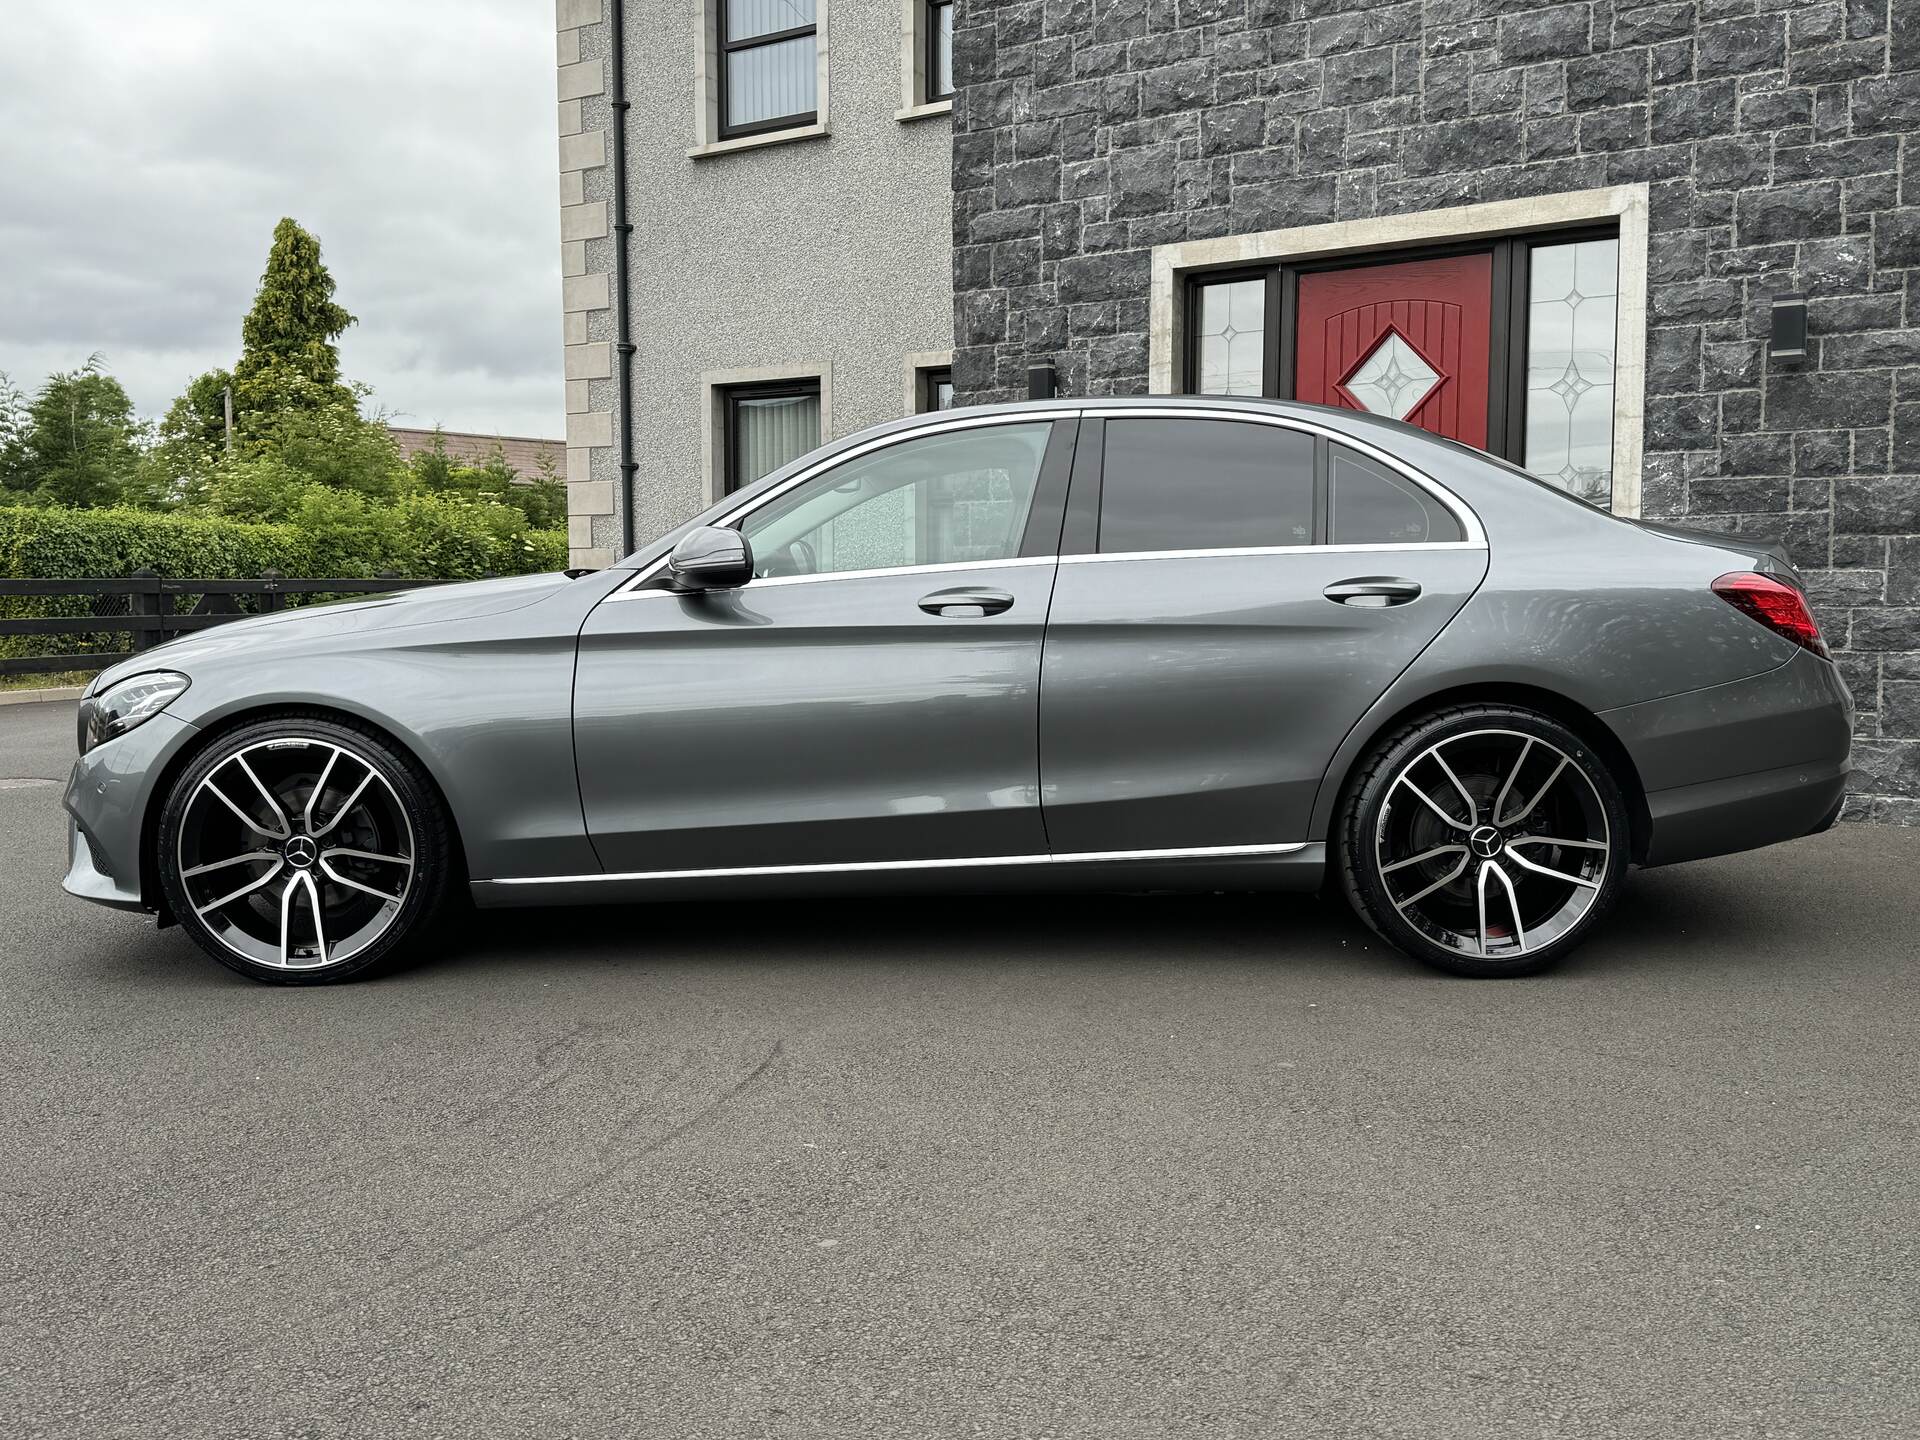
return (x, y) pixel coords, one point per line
(1373, 591)
(966, 602)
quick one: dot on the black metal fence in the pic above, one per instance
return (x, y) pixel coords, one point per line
(92, 624)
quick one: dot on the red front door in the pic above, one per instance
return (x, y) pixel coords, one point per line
(1409, 340)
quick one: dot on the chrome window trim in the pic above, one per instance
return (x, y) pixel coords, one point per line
(767, 582)
(1207, 852)
(1231, 551)
(879, 442)
(1476, 536)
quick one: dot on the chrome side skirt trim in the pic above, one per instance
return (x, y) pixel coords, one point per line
(1212, 852)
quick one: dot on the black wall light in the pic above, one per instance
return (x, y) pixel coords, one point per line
(1041, 382)
(1788, 338)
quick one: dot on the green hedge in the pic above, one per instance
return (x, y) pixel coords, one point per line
(424, 536)
(427, 537)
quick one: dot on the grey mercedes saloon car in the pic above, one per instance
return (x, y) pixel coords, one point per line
(1120, 644)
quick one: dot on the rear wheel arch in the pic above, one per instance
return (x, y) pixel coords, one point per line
(1576, 717)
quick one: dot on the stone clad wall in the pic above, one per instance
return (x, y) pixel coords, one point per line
(1780, 142)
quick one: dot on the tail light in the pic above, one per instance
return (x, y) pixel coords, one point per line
(1775, 604)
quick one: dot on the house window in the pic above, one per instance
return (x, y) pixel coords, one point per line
(768, 426)
(939, 57)
(1507, 345)
(935, 389)
(769, 68)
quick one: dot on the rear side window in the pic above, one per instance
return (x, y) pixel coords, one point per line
(1368, 504)
(1204, 485)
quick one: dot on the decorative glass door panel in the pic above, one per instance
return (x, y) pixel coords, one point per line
(1571, 299)
(1409, 340)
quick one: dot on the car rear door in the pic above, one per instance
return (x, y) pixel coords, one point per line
(1234, 591)
(870, 698)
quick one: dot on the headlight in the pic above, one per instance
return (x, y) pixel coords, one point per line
(126, 703)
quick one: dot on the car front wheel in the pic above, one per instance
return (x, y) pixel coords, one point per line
(1485, 840)
(300, 850)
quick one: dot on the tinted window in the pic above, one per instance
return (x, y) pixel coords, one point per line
(1204, 485)
(1370, 505)
(951, 498)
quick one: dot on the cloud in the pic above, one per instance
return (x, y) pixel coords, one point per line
(149, 152)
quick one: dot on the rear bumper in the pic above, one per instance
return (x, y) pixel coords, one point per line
(1737, 766)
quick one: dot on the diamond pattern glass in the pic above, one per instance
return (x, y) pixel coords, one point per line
(1572, 291)
(1233, 337)
(1393, 380)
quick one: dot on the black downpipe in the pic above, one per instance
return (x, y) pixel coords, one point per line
(622, 242)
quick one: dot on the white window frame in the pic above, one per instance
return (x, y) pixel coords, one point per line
(1627, 205)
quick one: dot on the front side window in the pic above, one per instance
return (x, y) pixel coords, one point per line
(1368, 504)
(769, 70)
(1205, 485)
(954, 498)
(769, 425)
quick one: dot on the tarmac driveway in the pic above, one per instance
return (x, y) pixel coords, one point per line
(1156, 1167)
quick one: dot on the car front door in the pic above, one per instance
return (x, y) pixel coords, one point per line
(1234, 592)
(871, 696)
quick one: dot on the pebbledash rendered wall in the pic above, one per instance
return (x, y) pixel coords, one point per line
(1779, 144)
(822, 252)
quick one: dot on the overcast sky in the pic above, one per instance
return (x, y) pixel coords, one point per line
(148, 146)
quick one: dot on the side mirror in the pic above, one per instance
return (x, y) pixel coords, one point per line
(710, 558)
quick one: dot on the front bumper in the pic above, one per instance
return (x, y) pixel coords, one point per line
(109, 792)
(1737, 766)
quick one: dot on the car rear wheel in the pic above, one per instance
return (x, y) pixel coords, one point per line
(1486, 840)
(299, 850)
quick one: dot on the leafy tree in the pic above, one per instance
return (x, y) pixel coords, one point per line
(288, 356)
(197, 418)
(432, 468)
(78, 443)
(542, 502)
(14, 425)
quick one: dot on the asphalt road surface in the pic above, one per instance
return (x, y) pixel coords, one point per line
(1156, 1167)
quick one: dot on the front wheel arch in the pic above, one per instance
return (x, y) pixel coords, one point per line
(1576, 717)
(152, 894)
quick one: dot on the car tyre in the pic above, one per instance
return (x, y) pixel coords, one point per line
(305, 850)
(1484, 840)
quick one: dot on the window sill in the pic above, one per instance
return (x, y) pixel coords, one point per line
(753, 142)
(924, 112)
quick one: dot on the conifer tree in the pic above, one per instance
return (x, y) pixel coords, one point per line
(289, 358)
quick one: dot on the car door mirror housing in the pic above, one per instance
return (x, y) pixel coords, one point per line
(710, 558)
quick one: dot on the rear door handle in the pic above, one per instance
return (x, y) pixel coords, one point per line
(1373, 591)
(966, 602)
